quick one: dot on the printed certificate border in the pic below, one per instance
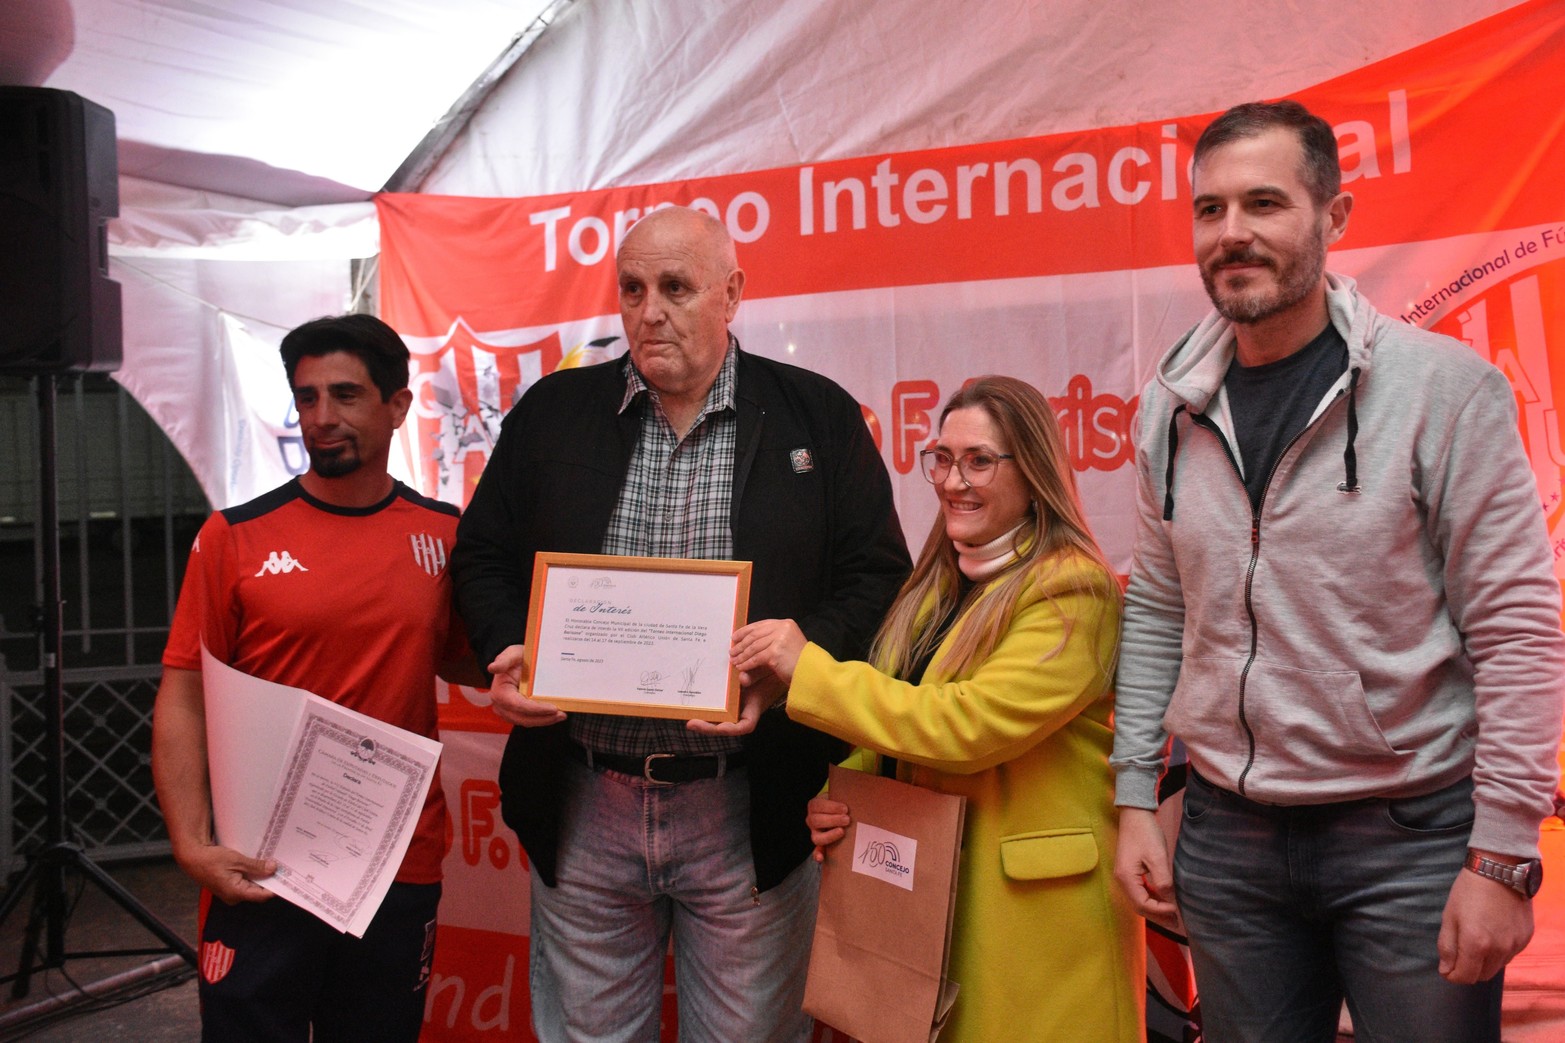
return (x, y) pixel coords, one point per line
(686, 570)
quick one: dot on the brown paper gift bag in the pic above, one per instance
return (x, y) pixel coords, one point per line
(883, 931)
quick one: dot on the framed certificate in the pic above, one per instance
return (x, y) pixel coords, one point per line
(646, 637)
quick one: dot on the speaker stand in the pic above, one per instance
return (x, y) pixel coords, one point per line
(46, 867)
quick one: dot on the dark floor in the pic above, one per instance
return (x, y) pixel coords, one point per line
(134, 1014)
(165, 1014)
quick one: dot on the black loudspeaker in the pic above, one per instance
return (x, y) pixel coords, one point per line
(59, 185)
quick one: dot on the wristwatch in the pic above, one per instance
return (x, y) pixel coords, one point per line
(1524, 878)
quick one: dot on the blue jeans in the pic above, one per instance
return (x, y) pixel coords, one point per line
(1292, 909)
(639, 862)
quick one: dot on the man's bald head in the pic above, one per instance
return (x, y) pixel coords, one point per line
(679, 288)
(699, 229)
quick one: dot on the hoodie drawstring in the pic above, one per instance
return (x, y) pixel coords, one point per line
(1168, 478)
(1350, 461)
(1349, 484)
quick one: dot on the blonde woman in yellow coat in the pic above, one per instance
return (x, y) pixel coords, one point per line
(1007, 631)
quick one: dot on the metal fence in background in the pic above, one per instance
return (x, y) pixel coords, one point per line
(129, 508)
(110, 809)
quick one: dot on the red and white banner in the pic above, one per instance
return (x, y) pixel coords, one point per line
(1062, 259)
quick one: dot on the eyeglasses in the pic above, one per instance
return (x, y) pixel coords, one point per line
(976, 467)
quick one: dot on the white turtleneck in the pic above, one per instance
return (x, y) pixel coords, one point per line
(980, 561)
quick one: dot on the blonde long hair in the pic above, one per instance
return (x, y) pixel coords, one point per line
(1027, 426)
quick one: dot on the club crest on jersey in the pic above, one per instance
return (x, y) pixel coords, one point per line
(217, 960)
(277, 563)
(429, 552)
(801, 461)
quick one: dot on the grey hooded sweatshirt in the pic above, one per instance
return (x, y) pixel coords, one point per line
(1387, 622)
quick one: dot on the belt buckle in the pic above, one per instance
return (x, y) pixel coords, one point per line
(646, 768)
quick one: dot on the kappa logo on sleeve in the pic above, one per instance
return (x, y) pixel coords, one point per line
(277, 563)
(217, 960)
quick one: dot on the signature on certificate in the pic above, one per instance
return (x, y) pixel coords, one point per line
(687, 679)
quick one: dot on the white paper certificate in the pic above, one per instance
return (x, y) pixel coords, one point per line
(645, 636)
(335, 803)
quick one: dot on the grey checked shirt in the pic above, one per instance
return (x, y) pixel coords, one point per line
(675, 503)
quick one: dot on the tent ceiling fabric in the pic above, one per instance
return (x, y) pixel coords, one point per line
(298, 102)
(622, 92)
(291, 102)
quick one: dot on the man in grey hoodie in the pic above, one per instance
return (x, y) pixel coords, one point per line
(1343, 604)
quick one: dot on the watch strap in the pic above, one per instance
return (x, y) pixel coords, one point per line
(1524, 878)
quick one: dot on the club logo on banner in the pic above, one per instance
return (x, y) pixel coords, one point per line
(463, 385)
(1512, 320)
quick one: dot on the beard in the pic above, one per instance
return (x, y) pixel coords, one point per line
(338, 463)
(1297, 276)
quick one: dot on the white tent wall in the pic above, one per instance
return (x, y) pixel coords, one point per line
(620, 92)
(209, 285)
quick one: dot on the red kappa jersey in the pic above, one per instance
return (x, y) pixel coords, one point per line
(353, 604)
